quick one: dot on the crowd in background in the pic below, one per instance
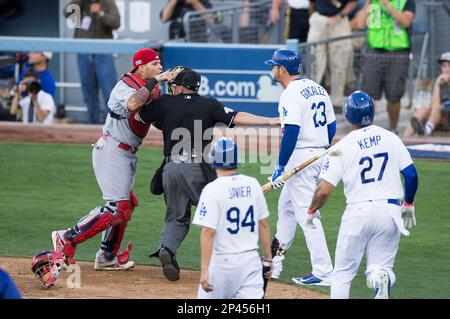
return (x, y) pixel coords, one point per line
(383, 72)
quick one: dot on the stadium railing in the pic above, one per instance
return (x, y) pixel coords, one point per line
(233, 22)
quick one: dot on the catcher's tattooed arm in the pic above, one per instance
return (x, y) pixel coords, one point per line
(138, 99)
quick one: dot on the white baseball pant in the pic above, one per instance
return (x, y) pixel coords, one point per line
(371, 228)
(234, 276)
(293, 204)
(114, 169)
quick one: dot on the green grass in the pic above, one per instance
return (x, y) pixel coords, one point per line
(47, 187)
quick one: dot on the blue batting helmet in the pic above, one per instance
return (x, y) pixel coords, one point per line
(291, 60)
(224, 154)
(359, 108)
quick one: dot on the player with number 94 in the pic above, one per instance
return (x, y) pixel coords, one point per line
(233, 214)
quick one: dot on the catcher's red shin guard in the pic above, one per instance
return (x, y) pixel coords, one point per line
(63, 245)
(126, 208)
(112, 238)
(97, 221)
(124, 256)
(120, 232)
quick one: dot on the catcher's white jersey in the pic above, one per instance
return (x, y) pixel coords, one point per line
(369, 165)
(233, 206)
(307, 104)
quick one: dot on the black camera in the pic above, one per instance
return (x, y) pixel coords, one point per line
(33, 87)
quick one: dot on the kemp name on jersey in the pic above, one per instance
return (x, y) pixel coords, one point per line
(368, 142)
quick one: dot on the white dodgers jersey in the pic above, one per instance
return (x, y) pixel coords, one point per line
(307, 104)
(368, 161)
(233, 206)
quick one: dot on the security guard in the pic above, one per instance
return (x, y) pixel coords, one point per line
(186, 120)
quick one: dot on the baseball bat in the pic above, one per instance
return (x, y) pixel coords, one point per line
(267, 187)
(266, 268)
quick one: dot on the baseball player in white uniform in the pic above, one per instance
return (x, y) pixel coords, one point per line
(233, 214)
(309, 124)
(368, 161)
(114, 161)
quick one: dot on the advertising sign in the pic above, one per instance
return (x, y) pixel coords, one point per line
(234, 74)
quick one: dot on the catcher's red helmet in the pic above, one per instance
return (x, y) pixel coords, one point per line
(47, 265)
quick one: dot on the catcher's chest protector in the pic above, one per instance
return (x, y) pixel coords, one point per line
(131, 79)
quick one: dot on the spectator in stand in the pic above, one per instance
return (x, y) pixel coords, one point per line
(329, 19)
(386, 65)
(38, 62)
(357, 45)
(174, 12)
(427, 118)
(98, 20)
(298, 18)
(37, 106)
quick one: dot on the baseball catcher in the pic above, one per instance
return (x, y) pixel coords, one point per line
(114, 160)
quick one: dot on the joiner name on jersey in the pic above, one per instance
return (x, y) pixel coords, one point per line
(236, 192)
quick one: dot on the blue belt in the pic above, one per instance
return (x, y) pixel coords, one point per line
(394, 201)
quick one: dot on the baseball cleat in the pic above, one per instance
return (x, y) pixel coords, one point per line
(310, 280)
(113, 265)
(169, 264)
(382, 285)
(63, 246)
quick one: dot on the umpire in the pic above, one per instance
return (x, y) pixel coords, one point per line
(185, 114)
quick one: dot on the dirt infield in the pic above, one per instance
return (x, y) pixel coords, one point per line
(141, 282)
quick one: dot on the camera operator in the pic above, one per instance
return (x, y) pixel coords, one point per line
(38, 106)
(38, 62)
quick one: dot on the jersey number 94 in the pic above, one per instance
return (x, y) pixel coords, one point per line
(234, 217)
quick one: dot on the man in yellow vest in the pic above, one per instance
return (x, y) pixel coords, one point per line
(386, 63)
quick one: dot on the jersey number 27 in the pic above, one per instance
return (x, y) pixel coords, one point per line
(234, 217)
(367, 163)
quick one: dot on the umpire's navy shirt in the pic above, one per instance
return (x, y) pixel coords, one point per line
(327, 8)
(180, 111)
